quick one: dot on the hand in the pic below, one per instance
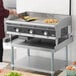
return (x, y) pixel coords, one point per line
(13, 12)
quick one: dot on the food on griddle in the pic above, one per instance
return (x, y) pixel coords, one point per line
(51, 21)
(29, 18)
(32, 19)
(13, 74)
(26, 17)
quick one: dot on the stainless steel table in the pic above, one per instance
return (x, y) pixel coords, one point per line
(30, 62)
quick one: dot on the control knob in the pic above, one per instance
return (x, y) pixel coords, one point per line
(45, 33)
(17, 30)
(31, 31)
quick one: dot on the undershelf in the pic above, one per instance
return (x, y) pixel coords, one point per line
(40, 64)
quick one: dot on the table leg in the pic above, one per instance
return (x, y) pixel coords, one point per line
(28, 50)
(12, 54)
(52, 63)
(12, 62)
(66, 56)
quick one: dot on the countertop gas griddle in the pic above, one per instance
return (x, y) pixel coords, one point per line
(41, 26)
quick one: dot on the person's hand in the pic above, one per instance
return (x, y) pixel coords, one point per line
(13, 12)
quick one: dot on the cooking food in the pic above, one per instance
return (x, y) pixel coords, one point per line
(50, 21)
(13, 74)
(26, 17)
(29, 18)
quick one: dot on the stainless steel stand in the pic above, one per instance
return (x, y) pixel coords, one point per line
(29, 57)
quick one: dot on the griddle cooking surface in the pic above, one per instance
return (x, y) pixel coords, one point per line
(41, 17)
(40, 43)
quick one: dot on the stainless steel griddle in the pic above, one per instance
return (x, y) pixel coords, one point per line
(55, 33)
